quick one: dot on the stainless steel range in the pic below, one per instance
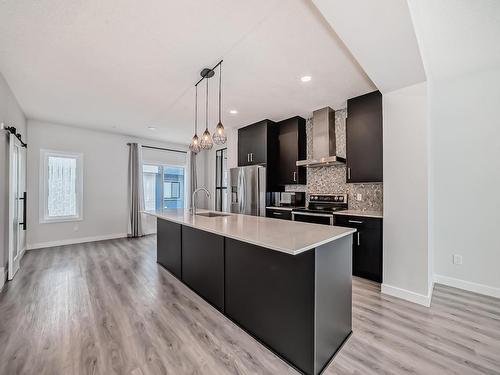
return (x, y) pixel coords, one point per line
(320, 208)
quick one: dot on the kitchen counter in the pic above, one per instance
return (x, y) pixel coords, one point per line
(374, 214)
(288, 284)
(289, 237)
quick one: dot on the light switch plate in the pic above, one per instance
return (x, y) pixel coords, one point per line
(359, 197)
(457, 259)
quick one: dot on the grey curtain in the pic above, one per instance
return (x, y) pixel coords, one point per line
(135, 190)
(192, 177)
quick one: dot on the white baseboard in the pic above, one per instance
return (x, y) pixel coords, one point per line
(72, 241)
(421, 299)
(3, 277)
(468, 285)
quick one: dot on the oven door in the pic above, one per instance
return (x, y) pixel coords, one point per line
(312, 217)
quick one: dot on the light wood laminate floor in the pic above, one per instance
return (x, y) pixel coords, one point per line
(108, 308)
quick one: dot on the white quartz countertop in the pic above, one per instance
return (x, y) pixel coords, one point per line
(374, 214)
(291, 237)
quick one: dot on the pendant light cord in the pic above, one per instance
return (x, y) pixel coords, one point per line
(196, 110)
(206, 108)
(220, 95)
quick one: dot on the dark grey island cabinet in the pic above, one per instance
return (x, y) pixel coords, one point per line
(168, 246)
(299, 306)
(203, 264)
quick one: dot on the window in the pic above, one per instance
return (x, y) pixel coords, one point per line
(61, 186)
(221, 180)
(163, 186)
(171, 190)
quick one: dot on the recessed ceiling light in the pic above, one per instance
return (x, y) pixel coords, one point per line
(233, 111)
(151, 128)
(305, 78)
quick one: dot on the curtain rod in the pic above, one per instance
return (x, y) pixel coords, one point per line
(13, 131)
(161, 148)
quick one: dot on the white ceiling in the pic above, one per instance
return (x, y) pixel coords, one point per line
(458, 36)
(123, 65)
(381, 37)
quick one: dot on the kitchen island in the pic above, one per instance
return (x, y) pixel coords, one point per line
(288, 284)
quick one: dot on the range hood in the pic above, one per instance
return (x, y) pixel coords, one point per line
(324, 143)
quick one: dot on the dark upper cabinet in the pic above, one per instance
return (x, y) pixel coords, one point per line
(364, 138)
(291, 147)
(366, 245)
(256, 143)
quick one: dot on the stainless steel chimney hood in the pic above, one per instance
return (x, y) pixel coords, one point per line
(324, 143)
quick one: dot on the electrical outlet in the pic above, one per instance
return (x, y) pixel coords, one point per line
(359, 197)
(75, 228)
(457, 259)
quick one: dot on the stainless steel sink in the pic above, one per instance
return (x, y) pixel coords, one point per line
(211, 214)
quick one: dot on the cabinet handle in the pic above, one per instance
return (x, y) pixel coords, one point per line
(358, 240)
(355, 222)
(295, 176)
(348, 173)
(248, 158)
(251, 156)
(277, 213)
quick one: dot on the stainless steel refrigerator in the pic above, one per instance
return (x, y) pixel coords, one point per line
(248, 190)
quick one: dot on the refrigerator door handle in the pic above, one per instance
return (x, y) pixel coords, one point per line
(259, 182)
(241, 190)
(240, 186)
(261, 198)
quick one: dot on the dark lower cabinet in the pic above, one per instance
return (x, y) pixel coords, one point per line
(298, 305)
(271, 294)
(367, 254)
(279, 214)
(168, 250)
(203, 264)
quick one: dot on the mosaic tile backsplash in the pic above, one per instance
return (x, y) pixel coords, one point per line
(331, 179)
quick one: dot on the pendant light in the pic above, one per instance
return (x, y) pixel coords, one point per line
(219, 136)
(195, 142)
(206, 139)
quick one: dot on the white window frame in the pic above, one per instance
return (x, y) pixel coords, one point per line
(44, 188)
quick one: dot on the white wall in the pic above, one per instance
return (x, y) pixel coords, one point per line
(105, 168)
(406, 198)
(465, 141)
(459, 44)
(11, 115)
